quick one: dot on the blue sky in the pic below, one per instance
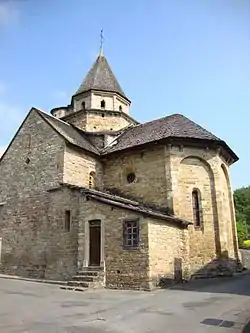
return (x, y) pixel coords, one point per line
(190, 57)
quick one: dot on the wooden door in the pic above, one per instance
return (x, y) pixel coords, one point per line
(94, 243)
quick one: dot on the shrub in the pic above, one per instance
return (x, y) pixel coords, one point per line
(246, 244)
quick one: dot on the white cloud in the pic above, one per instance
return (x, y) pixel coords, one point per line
(8, 12)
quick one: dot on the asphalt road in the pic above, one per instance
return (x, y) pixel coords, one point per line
(205, 306)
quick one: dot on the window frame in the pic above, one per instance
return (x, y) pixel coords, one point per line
(134, 224)
(197, 208)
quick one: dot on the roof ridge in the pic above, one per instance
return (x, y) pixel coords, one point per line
(51, 116)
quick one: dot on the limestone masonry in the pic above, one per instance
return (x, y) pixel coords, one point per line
(90, 195)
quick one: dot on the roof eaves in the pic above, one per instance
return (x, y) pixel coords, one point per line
(105, 151)
(78, 93)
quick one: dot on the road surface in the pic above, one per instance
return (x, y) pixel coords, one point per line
(204, 306)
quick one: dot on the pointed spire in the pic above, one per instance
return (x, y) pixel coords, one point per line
(101, 77)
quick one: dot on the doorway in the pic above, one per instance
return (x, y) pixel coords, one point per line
(94, 242)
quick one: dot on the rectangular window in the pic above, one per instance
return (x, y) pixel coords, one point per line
(131, 234)
(67, 225)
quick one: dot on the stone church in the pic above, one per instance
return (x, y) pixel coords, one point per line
(91, 196)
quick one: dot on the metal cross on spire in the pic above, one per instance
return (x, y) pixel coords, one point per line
(101, 42)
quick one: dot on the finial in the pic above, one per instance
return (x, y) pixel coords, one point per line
(101, 43)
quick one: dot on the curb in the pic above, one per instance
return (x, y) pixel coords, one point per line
(14, 277)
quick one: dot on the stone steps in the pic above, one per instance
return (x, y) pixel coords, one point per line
(85, 278)
(89, 277)
(88, 273)
(77, 284)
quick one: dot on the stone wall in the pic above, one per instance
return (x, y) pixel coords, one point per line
(201, 168)
(78, 119)
(125, 269)
(61, 244)
(149, 167)
(79, 99)
(34, 160)
(34, 243)
(195, 174)
(168, 253)
(245, 258)
(78, 166)
(105, 121)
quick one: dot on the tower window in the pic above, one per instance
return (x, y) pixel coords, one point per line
(103, 104)
(120, 108)
(197, 209)
(83, 105)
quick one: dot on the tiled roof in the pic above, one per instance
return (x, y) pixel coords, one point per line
(174, 126)
(68, 132)
(101, 77)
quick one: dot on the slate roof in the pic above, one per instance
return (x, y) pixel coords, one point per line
(68, 132)
(101, 77)
(174, 126)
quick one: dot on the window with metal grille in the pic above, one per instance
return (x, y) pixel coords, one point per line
(131, 233)
(197, 209)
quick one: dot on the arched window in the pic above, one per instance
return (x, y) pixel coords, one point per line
(197, 209)
(120, 108)
(92, 179)
(103, 104)
(83, 105)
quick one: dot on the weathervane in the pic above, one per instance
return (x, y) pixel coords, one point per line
(101, 42)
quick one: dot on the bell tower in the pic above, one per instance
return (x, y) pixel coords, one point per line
(100, 90)
(99, 104)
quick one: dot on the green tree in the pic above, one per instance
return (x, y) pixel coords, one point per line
(242, 210)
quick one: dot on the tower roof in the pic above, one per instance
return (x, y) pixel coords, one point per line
(101, 77)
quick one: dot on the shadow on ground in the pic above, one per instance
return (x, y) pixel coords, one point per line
(218, 276)
(246, 329)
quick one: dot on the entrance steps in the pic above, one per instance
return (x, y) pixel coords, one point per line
(86, 278)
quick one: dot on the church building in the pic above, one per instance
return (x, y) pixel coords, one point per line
(91, 196)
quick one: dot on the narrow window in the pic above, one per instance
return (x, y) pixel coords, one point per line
(120, 108)
(83, 105)
(67, 220)
(131, 234)
(92, 179)
(1, 210)
(196, 201)
(103, 104)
